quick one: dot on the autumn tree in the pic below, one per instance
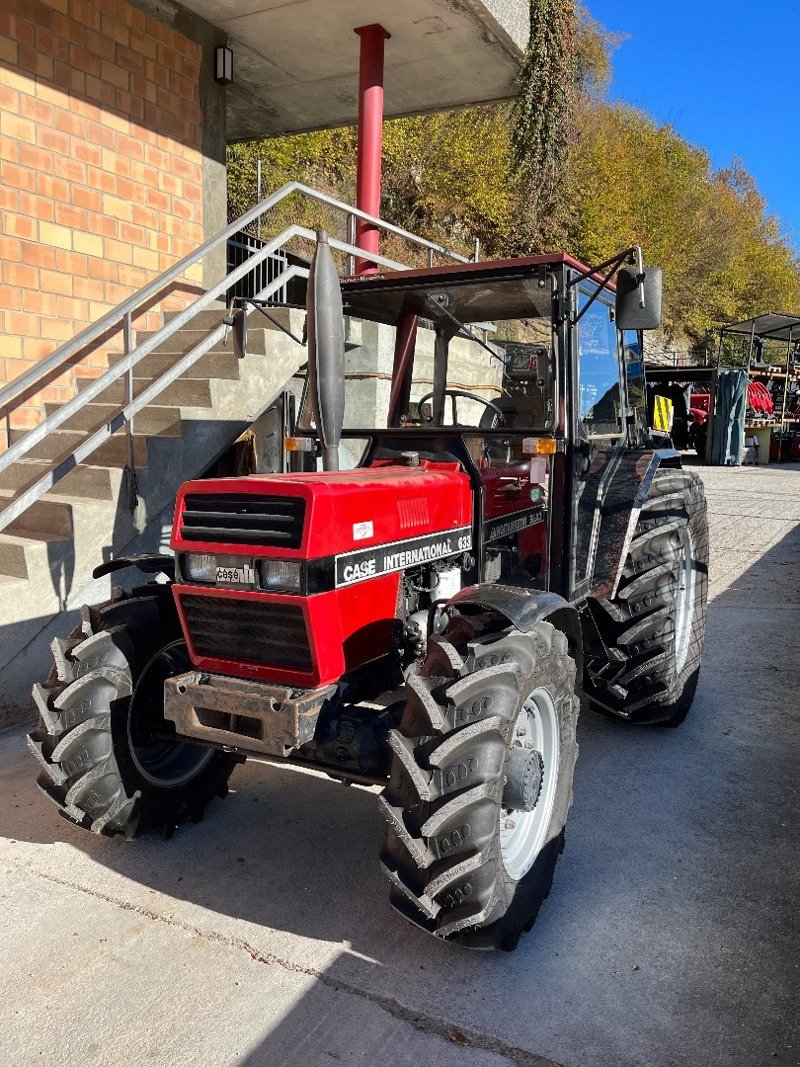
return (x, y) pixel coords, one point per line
(560, 169)
(637, 182)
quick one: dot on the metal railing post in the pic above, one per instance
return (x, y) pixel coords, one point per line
(130, 457)
(476, 251)
(351, 240)
(430, 257)
(258, 194)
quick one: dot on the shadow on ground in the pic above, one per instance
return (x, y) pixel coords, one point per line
(671, 934)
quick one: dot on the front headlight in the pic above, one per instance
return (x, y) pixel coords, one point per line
(280, 575)
(200, 567)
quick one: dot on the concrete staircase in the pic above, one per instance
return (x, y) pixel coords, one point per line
(48, 553)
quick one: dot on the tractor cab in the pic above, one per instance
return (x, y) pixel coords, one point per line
(479, 364)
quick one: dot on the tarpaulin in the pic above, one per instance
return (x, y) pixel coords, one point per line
(731, 404)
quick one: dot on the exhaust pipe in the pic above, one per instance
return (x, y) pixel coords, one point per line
(325, 325)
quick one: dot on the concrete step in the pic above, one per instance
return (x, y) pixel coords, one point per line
(210, 318)
(45, 520)
(13, 563)
(111, 453)
(259, 330)
(10, 587)
(89, 482)
(151, 422)
(222, 364)
(186, 339)
(202, 320)
(185, 392)
(114, 452)
(36, 576)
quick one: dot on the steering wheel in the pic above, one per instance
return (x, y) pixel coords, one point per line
(454, 394)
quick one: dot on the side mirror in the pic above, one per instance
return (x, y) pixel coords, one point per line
(639, 299)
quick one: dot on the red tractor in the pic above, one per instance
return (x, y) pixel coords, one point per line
(477, 533)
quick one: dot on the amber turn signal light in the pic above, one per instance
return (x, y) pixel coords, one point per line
(539, 446)
(299, 444)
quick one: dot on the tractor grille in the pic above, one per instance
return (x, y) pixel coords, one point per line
(243, 519)
(259, 631)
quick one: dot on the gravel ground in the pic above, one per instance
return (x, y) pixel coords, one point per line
(263, 937)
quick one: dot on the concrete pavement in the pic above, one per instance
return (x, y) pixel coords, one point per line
(262, 936)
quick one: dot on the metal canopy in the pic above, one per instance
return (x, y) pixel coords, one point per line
(771, 326)
(656, 373)
(295, 62)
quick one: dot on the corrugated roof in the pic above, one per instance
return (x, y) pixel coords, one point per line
(771, 326)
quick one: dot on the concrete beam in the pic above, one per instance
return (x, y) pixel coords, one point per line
(296, 61)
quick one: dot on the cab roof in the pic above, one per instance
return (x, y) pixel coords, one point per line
(469, 271)
(470, 292)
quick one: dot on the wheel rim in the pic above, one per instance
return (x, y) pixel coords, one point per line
(163, 763)
(684, 604)
(523, 833)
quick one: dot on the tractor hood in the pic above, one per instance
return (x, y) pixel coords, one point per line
(295, 578)
(308, 516)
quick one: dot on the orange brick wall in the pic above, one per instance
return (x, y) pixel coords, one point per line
(100, 170)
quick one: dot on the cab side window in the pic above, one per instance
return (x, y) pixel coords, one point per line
(634, 371)
(600, 397)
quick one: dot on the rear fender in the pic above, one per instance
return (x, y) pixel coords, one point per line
(615, 520)
(523, 608)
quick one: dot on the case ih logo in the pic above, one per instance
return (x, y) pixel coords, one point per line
(383, 559)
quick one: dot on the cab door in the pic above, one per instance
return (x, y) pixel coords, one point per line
(598, 426)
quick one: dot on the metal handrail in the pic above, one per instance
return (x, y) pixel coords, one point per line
(117, 370)
(125, 366)
(125, 414)
(116, 316)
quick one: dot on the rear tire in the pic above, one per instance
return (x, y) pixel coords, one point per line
(698, 440)
(655, 626)
(100, 710)
(462, 864)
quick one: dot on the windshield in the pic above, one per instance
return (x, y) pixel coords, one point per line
(474, 355)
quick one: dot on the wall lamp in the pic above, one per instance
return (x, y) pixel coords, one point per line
(223, 65)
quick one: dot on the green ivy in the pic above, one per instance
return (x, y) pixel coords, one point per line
(544, 108)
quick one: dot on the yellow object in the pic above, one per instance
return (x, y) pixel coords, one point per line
(539, 446)
(662, 414)
(298, 444)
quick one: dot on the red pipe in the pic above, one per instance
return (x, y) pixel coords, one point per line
(404, 347)
(370, 139)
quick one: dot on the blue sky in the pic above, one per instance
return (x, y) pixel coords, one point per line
(725, 75)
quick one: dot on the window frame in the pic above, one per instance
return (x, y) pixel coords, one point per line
(604, 299)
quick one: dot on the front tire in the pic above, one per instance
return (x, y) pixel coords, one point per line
(654, 628)
(103, 747)
(476, 825)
